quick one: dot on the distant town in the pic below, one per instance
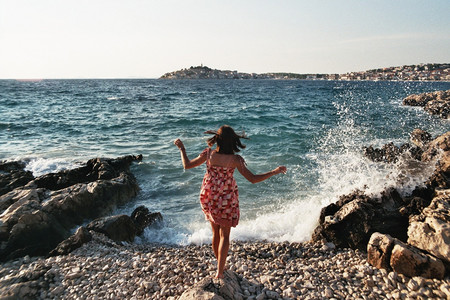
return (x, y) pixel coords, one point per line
(422, 72)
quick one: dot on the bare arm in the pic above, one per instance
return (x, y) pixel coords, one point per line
(187, 163)
(255, 178)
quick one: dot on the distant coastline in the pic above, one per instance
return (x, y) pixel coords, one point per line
(422, 72)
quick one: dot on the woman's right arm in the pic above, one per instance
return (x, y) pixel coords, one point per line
(187, 163)
(255, 178)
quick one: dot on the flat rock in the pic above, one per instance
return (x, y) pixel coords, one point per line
(227, 288)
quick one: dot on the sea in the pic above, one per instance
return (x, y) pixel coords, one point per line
(317, 129)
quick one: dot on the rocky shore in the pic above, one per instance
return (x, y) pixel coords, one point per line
(388, 247)
(104, 269)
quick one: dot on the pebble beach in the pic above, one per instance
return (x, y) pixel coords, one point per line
(103, 269)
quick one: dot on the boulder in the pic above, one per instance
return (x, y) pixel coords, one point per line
(80, 237)
(227, 288)
(411, 262)
(118, 228)
(351, 221)
(386, 252)
(35, 218)
(430, 231)
(379, 250)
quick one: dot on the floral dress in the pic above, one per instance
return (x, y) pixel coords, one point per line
(219, 194)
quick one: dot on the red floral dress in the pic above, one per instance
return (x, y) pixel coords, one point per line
(219, 194)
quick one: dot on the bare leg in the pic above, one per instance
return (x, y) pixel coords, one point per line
(215, 239)
(224, 245)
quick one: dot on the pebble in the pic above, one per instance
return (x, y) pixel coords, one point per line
(102, 269)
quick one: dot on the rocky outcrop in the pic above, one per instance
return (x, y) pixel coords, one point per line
(420, 219)
(118, 228)
(390, 153)
(436, 103)
(36, 217)
(388, 253)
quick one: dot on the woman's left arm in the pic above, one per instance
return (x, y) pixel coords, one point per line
(187, 163)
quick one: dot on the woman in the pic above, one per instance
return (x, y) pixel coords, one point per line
(219, 192)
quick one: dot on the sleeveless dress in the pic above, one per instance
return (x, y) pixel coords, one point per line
(219, 196)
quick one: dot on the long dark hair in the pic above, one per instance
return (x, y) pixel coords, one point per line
(228, 142)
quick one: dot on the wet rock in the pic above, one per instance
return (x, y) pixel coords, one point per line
(143, 218)
(391, 153)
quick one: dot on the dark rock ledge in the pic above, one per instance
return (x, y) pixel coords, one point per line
(37, 214)
(407, 234)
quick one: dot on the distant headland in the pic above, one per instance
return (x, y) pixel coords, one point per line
(422, 72)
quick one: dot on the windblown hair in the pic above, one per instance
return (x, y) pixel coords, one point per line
(228, 142)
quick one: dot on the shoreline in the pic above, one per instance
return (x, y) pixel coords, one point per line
(103, 269)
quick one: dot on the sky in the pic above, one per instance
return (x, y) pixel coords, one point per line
(145, 38)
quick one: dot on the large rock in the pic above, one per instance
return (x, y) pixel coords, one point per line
(37, 217)
(411, 262)
(430, 231)
(379, 250)
(118, 228)
(227, 288)
(436, 103)
(351, 221)
(389, 253)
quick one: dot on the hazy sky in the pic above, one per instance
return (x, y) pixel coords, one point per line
(146, 38)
